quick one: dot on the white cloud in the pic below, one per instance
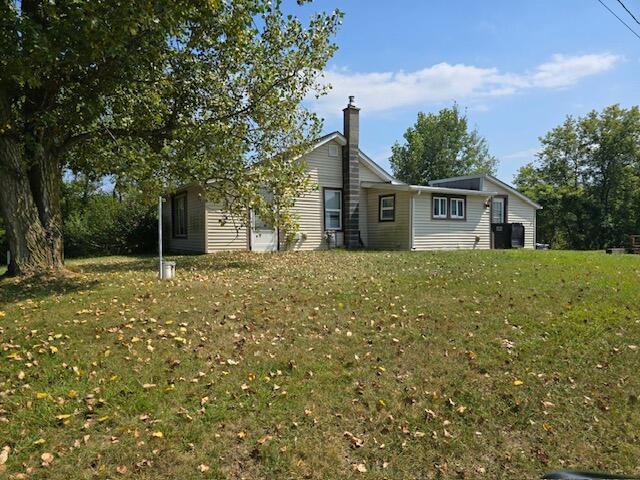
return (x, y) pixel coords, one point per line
(527, 154)
(443, 82)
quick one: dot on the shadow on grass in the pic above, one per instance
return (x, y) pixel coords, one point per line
(16, 290)
(195, 263)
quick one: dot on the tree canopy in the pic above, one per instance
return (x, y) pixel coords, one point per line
(587, 178)
(440, 145)
(160, 92)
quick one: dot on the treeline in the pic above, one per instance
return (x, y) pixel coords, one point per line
(587, 179)
(98, 222)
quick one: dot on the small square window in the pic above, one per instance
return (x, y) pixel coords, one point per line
(387, 208)
(333, 150)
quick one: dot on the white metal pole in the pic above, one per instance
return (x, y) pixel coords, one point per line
(160, 233)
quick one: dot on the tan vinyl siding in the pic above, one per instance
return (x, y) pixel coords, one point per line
(518, 211)
(388, 235)
(325, 171)
(220, 238)
(432, 234)
(194, 242)
(368, 175)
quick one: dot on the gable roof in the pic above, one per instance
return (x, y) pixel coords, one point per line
(491, 178)
(342, 140)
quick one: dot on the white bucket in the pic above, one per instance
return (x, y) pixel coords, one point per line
(168, 269)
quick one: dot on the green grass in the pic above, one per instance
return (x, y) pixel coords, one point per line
(489, 364)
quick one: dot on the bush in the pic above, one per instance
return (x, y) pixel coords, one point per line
(108, 226)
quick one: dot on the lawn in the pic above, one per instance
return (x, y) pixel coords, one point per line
(327, 365)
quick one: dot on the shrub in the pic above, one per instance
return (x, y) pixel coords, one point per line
(108, 226)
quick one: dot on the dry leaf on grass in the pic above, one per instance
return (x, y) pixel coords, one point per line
(46, 458)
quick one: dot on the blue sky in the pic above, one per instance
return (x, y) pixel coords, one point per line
(519, 67)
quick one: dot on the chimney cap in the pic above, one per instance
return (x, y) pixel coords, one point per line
(352, 101)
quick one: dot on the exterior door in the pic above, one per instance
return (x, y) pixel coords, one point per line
(498, 210)
(500, 229)
(264, 238)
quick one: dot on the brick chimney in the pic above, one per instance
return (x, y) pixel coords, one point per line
(351, 176)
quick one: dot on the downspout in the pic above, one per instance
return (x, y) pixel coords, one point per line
(412, 220)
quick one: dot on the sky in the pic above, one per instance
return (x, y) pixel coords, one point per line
(518, 67)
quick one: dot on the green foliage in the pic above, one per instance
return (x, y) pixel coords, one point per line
(587, 178)
(165, 93)
(439, 146)
(109, 227)
(98, 223)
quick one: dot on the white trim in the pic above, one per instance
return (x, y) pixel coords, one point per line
(440, 215)
(325, 209)
(460, 202)
(420, 188)
(382, 209)
(377, 169)
(337, 136)
(514, 191)
(342, 140)
(493, 179)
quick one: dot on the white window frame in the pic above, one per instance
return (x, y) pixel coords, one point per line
(383, 209)
(460, 202)
(442, 201)
(331, 210)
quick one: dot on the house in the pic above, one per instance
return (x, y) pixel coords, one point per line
(358, 205)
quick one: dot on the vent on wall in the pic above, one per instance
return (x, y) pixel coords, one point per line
(333, 150)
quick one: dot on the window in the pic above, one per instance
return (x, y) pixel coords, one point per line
(498, 210)
(333, 150)
(179, 215)
(457, 208)
(332, 209)
(387, 208)
(439, 207)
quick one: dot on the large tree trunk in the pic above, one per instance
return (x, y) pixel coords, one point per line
(34, 238)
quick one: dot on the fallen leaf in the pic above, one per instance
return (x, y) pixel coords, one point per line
(203, 468)
(157, 434)
(4, 454)
(46, 458)
(518, 382)
(359, 467)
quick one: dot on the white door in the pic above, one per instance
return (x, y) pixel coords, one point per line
(264, 237)
(497, 210)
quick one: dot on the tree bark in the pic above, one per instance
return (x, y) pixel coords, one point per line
(31, 250)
